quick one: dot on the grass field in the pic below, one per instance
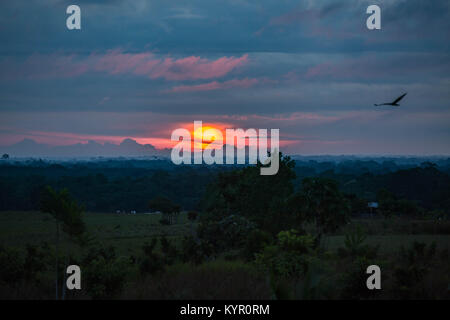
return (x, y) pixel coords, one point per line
(391, 243)
(128, 232)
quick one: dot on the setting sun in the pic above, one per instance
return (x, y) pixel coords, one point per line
(206, 135)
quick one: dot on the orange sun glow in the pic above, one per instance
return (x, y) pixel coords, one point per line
(207, 135)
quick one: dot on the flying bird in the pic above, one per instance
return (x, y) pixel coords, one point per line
(394, 103)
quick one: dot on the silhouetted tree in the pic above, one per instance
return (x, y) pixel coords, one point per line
(166, 207)
(320, 201)
(245, 192)
(67, 215)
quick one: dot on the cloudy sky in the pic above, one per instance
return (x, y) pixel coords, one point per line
(140, 69)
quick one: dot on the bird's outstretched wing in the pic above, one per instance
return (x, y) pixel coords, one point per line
(399, 98)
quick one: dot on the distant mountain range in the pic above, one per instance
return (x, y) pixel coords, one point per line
(127, 148)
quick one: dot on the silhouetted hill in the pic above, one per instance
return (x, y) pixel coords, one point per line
(127, 148)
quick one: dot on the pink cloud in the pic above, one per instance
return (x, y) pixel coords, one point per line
(117, 62)
(215, 85)
(192, 68)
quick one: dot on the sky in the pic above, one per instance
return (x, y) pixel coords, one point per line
(140, 69)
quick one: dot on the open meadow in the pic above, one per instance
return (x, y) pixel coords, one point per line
(128, 232)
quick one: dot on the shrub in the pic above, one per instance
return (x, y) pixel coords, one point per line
(152, 261)
(292, 241)
(414, 265)
(168, 250)
(255, 242)
(228, 233)
(35, 261)
(353, 280)
(11, 265)
(289, 257)
(195, 251)
(164, 221)
(355, 247)
(217, 279)
(192, 215)
(104, 274)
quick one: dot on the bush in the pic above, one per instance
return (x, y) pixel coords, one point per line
(192, 215)
(195, 251)
(168, 250)
(218, 279)
(292, 241)
(355, 247)
(35, 261)
(289, 257)
(11, 266)
(228, 233)
(353, 280)
(255, 242)
(104, 274)
(152, 261)
(164, 221)
(414, 265)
